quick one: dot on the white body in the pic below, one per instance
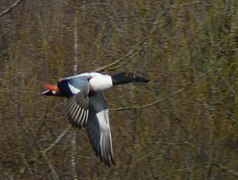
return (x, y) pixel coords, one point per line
(100, 82)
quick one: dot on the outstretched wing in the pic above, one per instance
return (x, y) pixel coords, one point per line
(98, 128)
(77, 106)
(77, 109)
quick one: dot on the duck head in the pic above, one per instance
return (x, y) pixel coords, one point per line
(122, 78)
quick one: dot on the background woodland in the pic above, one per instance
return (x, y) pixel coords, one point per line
(181, 125)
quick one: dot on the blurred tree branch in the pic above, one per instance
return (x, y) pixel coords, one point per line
(75, 69)
(14, 5)
(182, 127)
(138, 46)
(52, 170)
(122, 58)
(226, 169)
(172, 94)
(58, 139)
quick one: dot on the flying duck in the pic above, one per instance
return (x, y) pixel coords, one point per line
(87, 108)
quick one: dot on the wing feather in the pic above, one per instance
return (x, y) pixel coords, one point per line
(90, 112)
(98, 129)
(77, 106)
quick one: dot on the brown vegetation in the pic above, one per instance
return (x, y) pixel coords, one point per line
(182, 125)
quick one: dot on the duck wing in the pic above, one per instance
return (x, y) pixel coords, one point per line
(77, 107)
(98, 128)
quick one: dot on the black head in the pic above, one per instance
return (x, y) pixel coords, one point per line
(122, 78)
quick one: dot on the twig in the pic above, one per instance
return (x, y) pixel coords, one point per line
(153, 103)
(171, 95)
(183, 169)
(54, 174)
(26, 164)
(57, 140)
(51, 167)
(138, 46)
(14, 5)
(122, 58)
(74, 135)
(225, 168)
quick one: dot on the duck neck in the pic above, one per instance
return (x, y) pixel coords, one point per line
(119, 78)
(123, 78)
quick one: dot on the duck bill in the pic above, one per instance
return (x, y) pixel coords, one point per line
(48, 93)
(140, 79)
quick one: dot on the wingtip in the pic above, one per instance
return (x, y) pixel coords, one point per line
(110, 164)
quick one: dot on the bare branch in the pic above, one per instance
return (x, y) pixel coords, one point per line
(57, 140)
(225, 168)
(184, 168)
(74, 133)
(26, 163)
(122, 58)
(14, 5)
(54, 174)
(171, 95)
(154, 102)
(138, 46)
